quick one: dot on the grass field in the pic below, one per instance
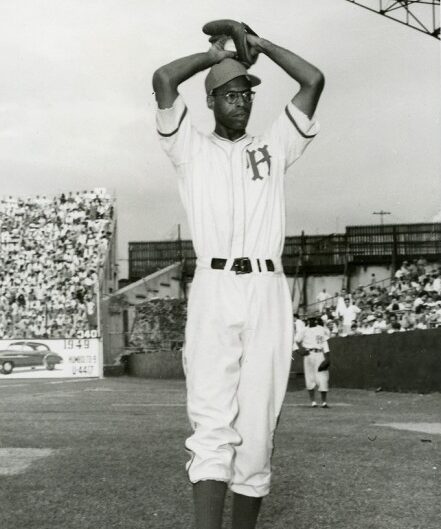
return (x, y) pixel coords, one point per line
(103, 454)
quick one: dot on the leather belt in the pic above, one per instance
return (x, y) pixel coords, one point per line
(315, 350)
(242, 265)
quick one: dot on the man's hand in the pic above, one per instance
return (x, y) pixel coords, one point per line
(217, 52)
(255, 46)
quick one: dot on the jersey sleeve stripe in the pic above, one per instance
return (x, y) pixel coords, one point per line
(168, 134)
(296, 126)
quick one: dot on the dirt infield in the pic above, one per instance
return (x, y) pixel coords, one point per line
(104, 454)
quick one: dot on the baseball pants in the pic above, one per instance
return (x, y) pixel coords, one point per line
(237, 358)
(313, 377)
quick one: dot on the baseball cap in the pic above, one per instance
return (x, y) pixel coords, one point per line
(225, 71)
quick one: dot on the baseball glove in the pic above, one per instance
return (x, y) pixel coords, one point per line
(324, 366)
(237, 31)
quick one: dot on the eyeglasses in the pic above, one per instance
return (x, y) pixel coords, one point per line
(233, 97)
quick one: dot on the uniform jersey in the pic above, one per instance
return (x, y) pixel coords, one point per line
(233, 191)
(315, 338)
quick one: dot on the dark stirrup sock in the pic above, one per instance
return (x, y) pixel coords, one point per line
(208, 497)
(245, 511)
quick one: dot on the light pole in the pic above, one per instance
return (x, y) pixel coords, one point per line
(382, 214)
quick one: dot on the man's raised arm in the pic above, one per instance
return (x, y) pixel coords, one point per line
(310, 78)
(167, 78)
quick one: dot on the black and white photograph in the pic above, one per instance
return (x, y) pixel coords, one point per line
(220, 264)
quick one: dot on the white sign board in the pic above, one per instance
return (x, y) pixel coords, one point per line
(73, 357)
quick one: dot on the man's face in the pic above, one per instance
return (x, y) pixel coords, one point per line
(233, 116)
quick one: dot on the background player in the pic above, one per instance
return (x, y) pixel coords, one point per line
(239, 327)
(316, 361)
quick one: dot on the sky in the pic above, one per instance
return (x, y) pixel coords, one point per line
(77, 109)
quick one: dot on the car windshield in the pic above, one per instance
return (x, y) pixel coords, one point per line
(20, 347)
(41, 347)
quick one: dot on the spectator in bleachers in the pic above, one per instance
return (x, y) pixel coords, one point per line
(403, 271)
(420, 302)
(407, 320)
(354, 330)
(323, 300)
(347, 314)
(395, 304)
(331, 328)
(366, 326)
(436, 285)
(421, 321)
(340, 303)
(392, 324)
(379, 325)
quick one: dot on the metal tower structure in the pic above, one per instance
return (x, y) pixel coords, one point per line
(421, 15)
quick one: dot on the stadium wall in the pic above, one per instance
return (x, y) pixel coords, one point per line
(161, 364)
(314, 285)
(402, 362)
(361, 275)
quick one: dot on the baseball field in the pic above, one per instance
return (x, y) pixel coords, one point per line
(104, 454)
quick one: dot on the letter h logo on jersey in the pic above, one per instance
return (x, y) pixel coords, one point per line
(251, 160)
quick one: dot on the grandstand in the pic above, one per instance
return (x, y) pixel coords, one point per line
(57, 258)
(408, 301)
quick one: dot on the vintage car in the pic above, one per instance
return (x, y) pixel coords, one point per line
(28, 354)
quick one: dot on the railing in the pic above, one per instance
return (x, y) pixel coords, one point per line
(312, 308)
(389, 243)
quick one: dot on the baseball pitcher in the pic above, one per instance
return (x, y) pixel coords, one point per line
(239, 329)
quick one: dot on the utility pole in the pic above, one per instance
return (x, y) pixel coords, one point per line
(179, 243)
(382, 214)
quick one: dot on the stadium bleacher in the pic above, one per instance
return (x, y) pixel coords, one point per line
(51, 251)
(410, 300)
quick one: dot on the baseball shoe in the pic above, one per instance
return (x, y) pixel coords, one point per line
(314, 404)
(325, 405)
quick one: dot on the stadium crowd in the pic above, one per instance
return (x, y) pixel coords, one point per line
(411, 300)
(51, 250)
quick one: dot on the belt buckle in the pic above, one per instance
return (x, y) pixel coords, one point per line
(242, 265)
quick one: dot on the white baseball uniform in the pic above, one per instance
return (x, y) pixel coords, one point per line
(315, 340)
(238, 335)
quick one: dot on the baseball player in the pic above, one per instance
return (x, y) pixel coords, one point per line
(316, 361)
(239, 327)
